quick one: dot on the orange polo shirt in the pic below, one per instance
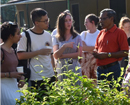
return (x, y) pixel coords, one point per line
(113, 40)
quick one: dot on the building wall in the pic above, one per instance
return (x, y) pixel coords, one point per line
(55, 8)
(87, 7)
(128, 8)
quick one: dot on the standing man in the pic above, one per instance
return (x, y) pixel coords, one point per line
(111, 46)
(40, 56)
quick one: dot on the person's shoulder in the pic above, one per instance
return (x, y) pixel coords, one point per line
(55, 30)
(98, 31)
(120, 31)
(83, 32)
(78, 36)
(46, 32)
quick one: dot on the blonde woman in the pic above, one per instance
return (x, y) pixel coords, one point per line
(88, 63)
(124, 24)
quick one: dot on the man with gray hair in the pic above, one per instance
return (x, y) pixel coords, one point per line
(111, 45)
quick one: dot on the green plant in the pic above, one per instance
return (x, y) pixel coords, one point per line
(66, 92)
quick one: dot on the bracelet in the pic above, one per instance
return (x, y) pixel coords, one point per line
(5, 74)
(9, 74)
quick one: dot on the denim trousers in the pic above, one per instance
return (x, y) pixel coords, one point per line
(116, 72)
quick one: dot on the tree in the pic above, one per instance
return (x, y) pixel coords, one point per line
(8, 13)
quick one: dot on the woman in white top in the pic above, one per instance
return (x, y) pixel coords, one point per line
(88, 62)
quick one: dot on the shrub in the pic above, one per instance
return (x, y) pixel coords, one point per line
(66, 92)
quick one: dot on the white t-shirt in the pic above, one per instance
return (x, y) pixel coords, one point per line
(90, 38)
(54, 32)
(40, 65)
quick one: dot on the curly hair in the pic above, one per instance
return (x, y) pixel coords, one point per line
(7, 29)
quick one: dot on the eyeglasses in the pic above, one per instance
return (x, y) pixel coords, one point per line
(45, 21)
(103, 18)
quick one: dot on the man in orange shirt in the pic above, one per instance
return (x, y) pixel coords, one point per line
(111, 46)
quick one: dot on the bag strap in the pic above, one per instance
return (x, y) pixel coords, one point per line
(28, 41)
(28, 44)
(85, 35)
(2, 60)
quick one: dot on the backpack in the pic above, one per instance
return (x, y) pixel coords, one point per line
(24, 62)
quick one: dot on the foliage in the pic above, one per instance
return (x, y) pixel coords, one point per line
(66, 92)
(8, 13)
(4, 1)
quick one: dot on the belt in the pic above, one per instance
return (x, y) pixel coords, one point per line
(108, 65)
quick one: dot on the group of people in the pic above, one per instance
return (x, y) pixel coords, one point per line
(100, 50)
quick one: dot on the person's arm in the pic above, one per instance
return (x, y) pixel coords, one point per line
(52, 61)
(21, 82)
(87, 48)
(22, 46)
(11, 75)
(27, 55)
(103, 55)
(59, 51)
(73, 55)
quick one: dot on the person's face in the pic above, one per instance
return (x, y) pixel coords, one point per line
(126, 27)
(43, 23)
(17, 36)
(88, 24)
(105, 21)
(68, 22)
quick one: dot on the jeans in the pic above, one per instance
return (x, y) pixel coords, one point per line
(116, 72)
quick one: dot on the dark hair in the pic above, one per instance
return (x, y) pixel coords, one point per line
(7, 29)
(61, 27)
(36, 14)
(92, 17)
(110, 13)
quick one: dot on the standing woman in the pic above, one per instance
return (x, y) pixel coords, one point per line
(65, 45)
(88, 63)
(10, 34)
(124, 24)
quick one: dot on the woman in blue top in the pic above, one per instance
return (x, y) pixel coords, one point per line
(65, 45)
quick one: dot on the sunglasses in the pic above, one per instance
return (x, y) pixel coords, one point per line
(11, 24)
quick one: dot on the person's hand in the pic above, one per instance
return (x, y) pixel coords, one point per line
(70, 44)
(101, 55)
(44, 51)
(16, 75)
(21, 82)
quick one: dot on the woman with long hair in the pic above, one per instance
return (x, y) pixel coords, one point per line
(10, 34)
(67, 45)
(88, 63)
(124, 24)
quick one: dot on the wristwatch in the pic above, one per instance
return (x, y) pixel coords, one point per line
(109, 54)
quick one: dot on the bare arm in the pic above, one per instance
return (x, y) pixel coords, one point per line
(52, 61)
(27, 55)
(104, 55)
(87, 48)
(59, 51)
(11, 75)
(73, 55)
